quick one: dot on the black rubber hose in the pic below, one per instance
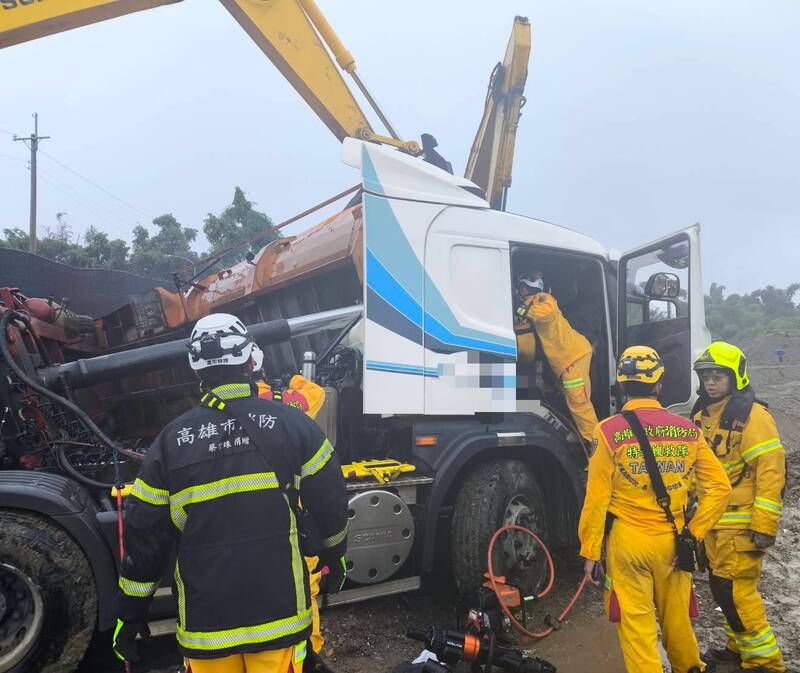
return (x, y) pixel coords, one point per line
(337, 340)
(69, 468)
(58, 399)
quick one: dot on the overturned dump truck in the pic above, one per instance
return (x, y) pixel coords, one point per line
(401, 307)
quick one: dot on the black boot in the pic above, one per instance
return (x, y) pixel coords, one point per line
(722, 655)
(314, 663)
(710, 668)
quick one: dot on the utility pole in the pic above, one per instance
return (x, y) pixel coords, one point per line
(34, 146)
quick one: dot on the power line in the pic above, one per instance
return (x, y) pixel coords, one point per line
(95, 203)
(7, 132)
(94, 184)
(8, 156)
(80, 203)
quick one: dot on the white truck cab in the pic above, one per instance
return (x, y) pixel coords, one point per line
(439, 270)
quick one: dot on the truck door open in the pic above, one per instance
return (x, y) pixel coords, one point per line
(661, 305)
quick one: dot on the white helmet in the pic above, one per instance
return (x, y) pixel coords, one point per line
(531, 281)
(220, 339)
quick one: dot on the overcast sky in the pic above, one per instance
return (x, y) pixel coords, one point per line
(642, 117)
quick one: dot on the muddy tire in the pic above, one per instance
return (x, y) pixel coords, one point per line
(48, 602)
(494, 494)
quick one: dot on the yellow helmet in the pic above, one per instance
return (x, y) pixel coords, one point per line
(640, 363)
(722, 355)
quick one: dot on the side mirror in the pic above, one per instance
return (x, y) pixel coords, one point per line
(662, 286)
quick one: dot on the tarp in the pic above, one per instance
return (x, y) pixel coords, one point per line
(94, 292)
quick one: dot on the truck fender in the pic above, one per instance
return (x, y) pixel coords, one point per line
(466, 448)
(69, 505)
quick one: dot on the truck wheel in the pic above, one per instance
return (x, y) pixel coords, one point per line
(497, 493)
(48, 603)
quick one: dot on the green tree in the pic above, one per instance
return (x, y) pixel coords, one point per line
(15, 238)
(763, 311)
(159, 255)
(239, 222)
(58, 244)
(103, 253)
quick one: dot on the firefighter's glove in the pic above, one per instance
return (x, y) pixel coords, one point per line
(333, 580)
(125, 644)
(762, 540)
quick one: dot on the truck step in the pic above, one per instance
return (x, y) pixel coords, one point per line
(369, 484)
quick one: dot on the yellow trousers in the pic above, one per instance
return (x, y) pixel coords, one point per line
(578, 392)
(317, 641)
(648, 587)
(285, 660)
(735, 570)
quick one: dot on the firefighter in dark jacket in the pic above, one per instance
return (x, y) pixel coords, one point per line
(223, 482)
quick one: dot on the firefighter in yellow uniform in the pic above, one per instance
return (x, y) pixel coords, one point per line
(743, 435)
(568, 352)
(621, 508)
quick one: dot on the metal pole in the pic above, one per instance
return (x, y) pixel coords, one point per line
(34, 146)
(374, 105)
(343, 57)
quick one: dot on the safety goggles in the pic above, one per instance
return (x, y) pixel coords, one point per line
(712, 377)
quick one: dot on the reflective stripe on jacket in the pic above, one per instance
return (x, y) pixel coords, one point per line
(241, 580)
(618, 482)
(753, 457)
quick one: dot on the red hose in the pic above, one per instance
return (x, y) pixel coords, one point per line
(493, 579)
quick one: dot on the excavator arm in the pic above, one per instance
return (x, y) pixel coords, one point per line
(24, 20)
(293, 34)
(492, 155)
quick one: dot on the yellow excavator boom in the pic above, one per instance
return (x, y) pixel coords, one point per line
(492, 155)
(23, 20)
(283, 31)
(293, 34)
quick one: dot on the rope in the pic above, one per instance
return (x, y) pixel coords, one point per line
(217, 255)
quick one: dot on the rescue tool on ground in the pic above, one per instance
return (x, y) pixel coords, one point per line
(485, 641)
(635, 514)
(742, 433)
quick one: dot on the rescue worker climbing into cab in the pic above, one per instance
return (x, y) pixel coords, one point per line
(568, 352)
(308, 397)
(642, 583)
(743, 435)
(223, 481)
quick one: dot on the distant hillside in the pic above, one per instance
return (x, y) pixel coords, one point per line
(769, 310)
